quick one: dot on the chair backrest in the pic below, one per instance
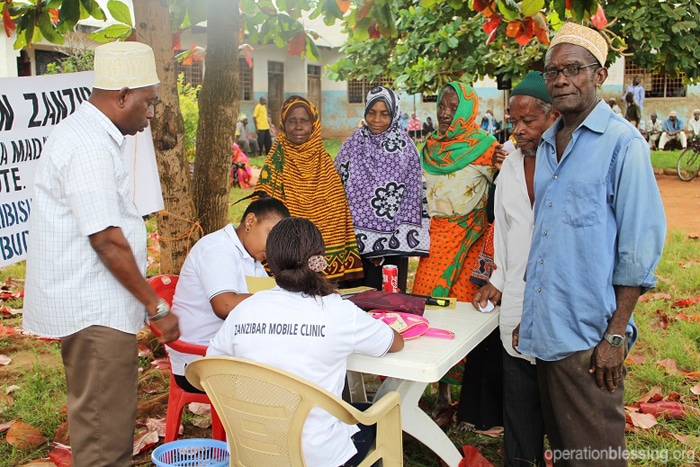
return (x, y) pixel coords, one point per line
(263, 410)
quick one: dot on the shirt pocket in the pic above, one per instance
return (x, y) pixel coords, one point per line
(583, 206)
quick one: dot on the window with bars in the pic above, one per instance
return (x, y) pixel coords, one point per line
(313, 70)
(245, 74)
(192, 73)
(655, 84)
(358, 89)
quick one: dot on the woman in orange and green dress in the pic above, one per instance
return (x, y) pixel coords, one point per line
(459, 172)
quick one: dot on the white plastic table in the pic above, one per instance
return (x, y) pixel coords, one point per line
(425, 360)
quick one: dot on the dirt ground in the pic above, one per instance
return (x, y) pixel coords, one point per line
(681, 202)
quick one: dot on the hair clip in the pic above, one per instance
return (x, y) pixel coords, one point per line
(317, 263)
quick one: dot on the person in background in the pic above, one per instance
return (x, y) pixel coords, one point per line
(694, 125)
(532, 113)
(633, 114)
(262, 126)
(637, 91)
(300, 172)
(244, 137)
(86, 257)
(598, 235)
(380, 169)
(489, 123)
(212, 280)
(458, 170)
(653, 127)
(404, 121)
(305, 297)
(414, 128)
(241, 172)
(428, 127)
(673, 130)
(615, 108)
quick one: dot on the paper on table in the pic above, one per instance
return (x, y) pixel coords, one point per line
(488, 308)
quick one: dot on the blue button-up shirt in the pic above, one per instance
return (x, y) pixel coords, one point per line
(599, 222)
(671, 126)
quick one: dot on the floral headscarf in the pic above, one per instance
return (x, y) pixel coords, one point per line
(384, 185)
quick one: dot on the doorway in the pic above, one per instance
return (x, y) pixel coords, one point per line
(313, 79)
(275, 90)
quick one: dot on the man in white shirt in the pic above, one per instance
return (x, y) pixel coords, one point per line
(654, 127)
(87, 256)
(531, 113)
(694, 124)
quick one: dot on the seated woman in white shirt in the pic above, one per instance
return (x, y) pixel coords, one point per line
(309, 331)
(212, 280)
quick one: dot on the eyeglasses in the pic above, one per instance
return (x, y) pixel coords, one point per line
(568, 71)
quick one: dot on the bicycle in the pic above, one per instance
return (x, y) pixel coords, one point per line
(688, 165)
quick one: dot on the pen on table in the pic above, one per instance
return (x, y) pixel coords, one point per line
(432, 300)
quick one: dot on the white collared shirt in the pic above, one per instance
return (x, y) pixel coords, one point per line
(81, 188)
(217, 263)
(514, 222)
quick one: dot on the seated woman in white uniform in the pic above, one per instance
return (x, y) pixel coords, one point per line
(313, 332)
(212, 280)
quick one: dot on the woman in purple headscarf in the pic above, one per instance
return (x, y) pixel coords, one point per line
(381, 171)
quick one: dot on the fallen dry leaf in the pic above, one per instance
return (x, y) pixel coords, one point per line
(664, 409)
(198, 408)
(5, 360)
(652, 395)
(40, 463)
(62, 436)
(494, 432)
(634, 359)
(686, 302)
(24, 436)
(654, 296)
(670, 365)
(6, 330)
(157, 424)
(696, 389)
(144, 439)
(691, 440)
(6, 401)
(201, 421)
(61, 455)
(161, 363)
(693, 375)
(642, 420)
(5, 426)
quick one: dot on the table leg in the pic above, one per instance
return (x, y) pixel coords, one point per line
(417, 423)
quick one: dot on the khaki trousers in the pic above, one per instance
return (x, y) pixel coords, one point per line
(585, 424)
(101, 373)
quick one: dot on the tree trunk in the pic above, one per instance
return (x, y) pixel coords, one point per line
(218, 111)
(176, 224)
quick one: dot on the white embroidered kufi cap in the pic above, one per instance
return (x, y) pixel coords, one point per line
(124, 64)
(588, 38)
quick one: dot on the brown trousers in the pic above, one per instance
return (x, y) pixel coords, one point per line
(585, 424)
(101, 372)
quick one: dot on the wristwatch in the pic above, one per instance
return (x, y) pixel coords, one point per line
(615, 340)
(163, 310)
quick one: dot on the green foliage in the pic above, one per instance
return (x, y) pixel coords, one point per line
(190, 113)
(437, 42)
(660, 36)
(78, 60)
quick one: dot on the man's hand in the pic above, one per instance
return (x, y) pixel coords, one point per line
(484, 294)
(607, 365)
(168, 327)
(499, 155)
(515, 338)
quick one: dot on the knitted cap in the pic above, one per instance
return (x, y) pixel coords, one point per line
(532, 85)
(589, 39)
(124, 64)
